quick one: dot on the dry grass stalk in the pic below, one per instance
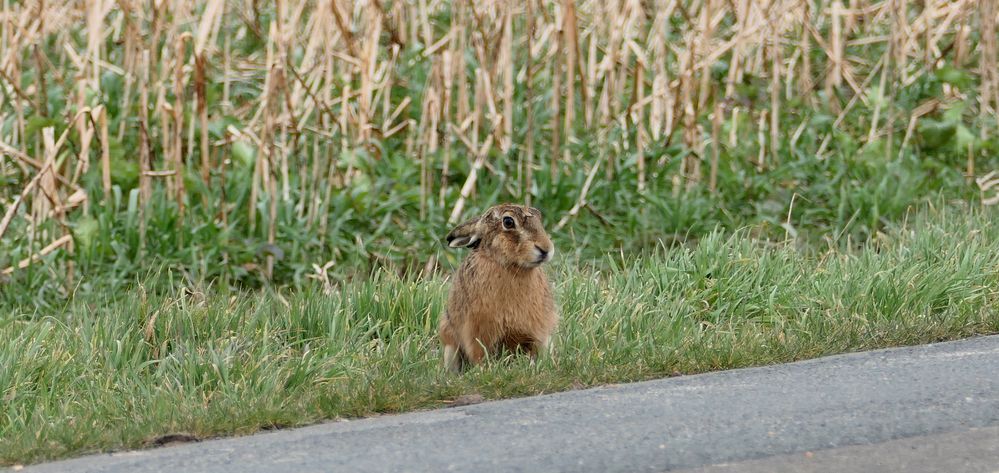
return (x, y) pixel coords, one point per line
(638, 121)
(341, 23)
(690, 172)
(505, 64)
(202, 107)
(556, 75)
(989, 63)
(145, 188)
(64, 240)
(177, 146)
(835, 76)
(569, 42)
(986, 183)
(466, 189)
(528, 166)
(581, 200)
(105, 152)
(47, 184)
(804, 47)
(9, 215)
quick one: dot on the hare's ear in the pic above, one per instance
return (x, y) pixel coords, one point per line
(465, 235)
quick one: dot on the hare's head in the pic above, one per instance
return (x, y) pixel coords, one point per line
(510, 234)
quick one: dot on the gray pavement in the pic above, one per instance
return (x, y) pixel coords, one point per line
(928, 408)
(971, 450)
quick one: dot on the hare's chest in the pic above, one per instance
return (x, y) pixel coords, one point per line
(518, 306)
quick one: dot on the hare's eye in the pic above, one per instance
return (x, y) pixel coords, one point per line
(508, 223)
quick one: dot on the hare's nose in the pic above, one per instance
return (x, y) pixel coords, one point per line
(541, 252)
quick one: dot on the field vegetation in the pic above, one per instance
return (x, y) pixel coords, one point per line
(254, 142)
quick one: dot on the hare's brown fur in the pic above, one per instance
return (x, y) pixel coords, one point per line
(500, 297)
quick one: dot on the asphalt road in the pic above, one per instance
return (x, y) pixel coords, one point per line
(929, 408)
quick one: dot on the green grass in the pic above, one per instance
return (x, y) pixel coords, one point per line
(117, 369)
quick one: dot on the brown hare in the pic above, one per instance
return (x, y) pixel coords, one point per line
(500, 298)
